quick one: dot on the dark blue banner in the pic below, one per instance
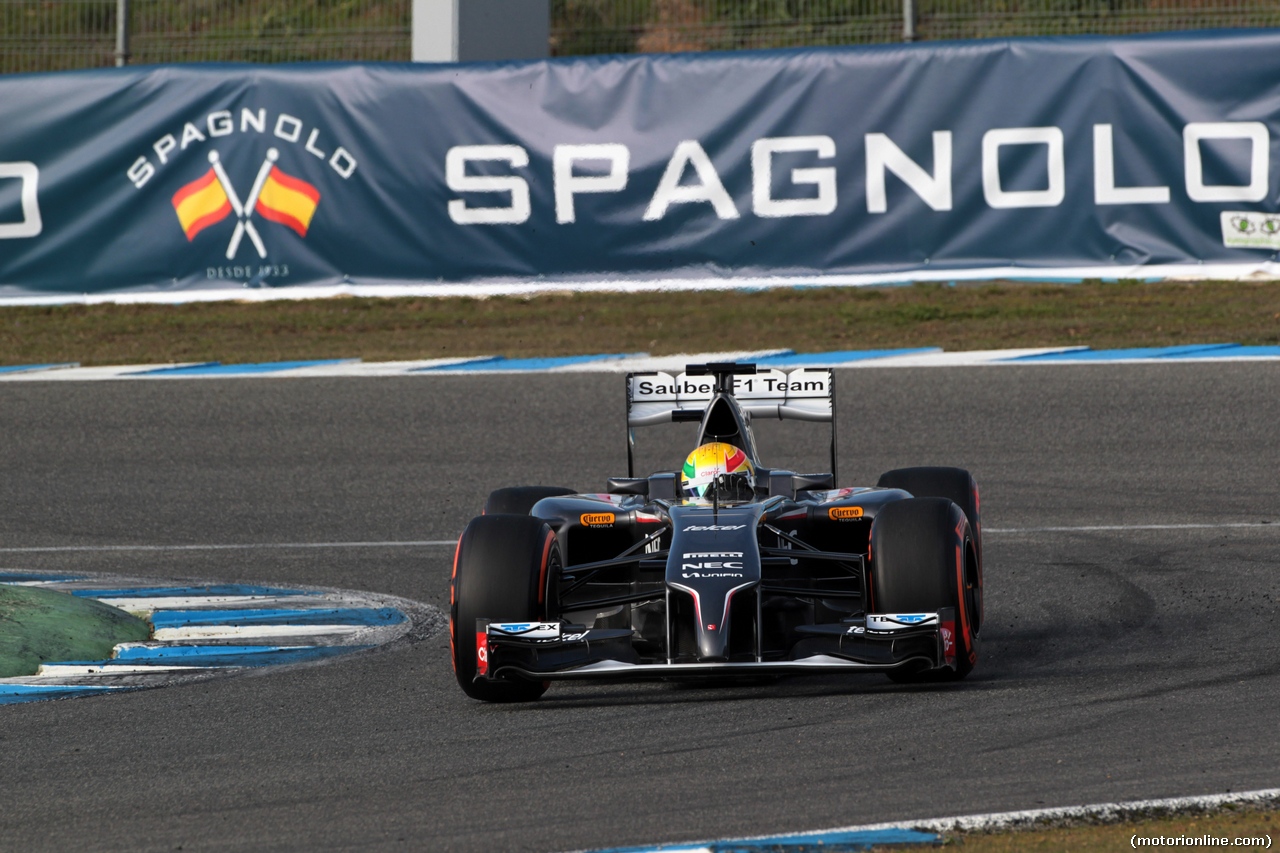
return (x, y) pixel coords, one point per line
(1080, 156)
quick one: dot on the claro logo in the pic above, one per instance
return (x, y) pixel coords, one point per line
(597, 519)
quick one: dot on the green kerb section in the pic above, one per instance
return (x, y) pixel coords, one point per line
(41, 625)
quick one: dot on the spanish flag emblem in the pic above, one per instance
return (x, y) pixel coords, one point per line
(288, 200)
(201, 203)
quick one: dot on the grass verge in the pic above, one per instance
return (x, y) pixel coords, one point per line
(41, 625)
(964, 317)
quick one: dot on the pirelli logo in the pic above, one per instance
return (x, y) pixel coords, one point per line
(597, 519)
(844, 513)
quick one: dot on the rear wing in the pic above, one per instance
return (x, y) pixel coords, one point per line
(804, 393)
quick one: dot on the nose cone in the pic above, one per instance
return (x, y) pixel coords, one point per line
(713, 638)
(714, 554)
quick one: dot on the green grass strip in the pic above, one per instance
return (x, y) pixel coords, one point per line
(990, 315)
(42, 625)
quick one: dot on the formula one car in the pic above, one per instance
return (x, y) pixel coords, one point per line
(725, 568)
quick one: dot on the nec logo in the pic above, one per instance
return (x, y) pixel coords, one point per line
(701, 528)
(710, 564)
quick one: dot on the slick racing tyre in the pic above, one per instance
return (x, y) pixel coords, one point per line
(519, 500)
(501, 572)
(955, 484)
(924, 558)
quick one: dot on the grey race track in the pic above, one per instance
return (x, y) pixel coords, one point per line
(1117, 664)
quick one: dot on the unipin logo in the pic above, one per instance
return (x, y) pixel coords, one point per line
(844, 513)
(275, 195)
(597, 519)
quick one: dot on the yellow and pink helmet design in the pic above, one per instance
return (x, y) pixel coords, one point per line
(718, 464)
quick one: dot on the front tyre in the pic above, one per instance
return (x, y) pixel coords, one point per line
(955, 484)
(924, 558)
(501, 572)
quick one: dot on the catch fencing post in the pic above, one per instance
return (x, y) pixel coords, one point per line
(909, 20)
(122, 33)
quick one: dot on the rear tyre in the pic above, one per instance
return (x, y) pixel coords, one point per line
(924, 558)
(501, 572)
(955, 484)
(519, 500)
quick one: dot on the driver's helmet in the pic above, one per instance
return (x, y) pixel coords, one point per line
(718, 470)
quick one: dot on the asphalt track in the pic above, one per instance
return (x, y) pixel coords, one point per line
(1118, 664)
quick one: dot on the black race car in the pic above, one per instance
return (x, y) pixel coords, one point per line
(725, 568)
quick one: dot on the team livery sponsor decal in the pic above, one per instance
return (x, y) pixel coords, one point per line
(899, 621)
(539, 632)
(770, 384)
(702, 528)
(844, 513)
(597, 519)
(527, 630)
(710, 575)
(723, 565)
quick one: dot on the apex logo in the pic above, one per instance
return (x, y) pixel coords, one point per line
(275, 196)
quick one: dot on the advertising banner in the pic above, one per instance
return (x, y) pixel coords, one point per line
(1090, 157)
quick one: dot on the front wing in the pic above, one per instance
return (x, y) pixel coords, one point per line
(544, 651)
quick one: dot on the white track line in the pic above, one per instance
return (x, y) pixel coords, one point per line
(243, 632)
(193, 602)
(247, 546)
(1105, 811)
(1096, 528)
(442, 543)
(1253, 270)
(64, 670)
(1000, 820)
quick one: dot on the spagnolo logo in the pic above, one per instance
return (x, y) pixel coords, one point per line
(210, 200)
(1250, 229)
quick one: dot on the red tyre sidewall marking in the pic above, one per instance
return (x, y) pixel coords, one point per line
(960, 598)
(453, 606)
(542, 572)
(871, 599)
(542, 581)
